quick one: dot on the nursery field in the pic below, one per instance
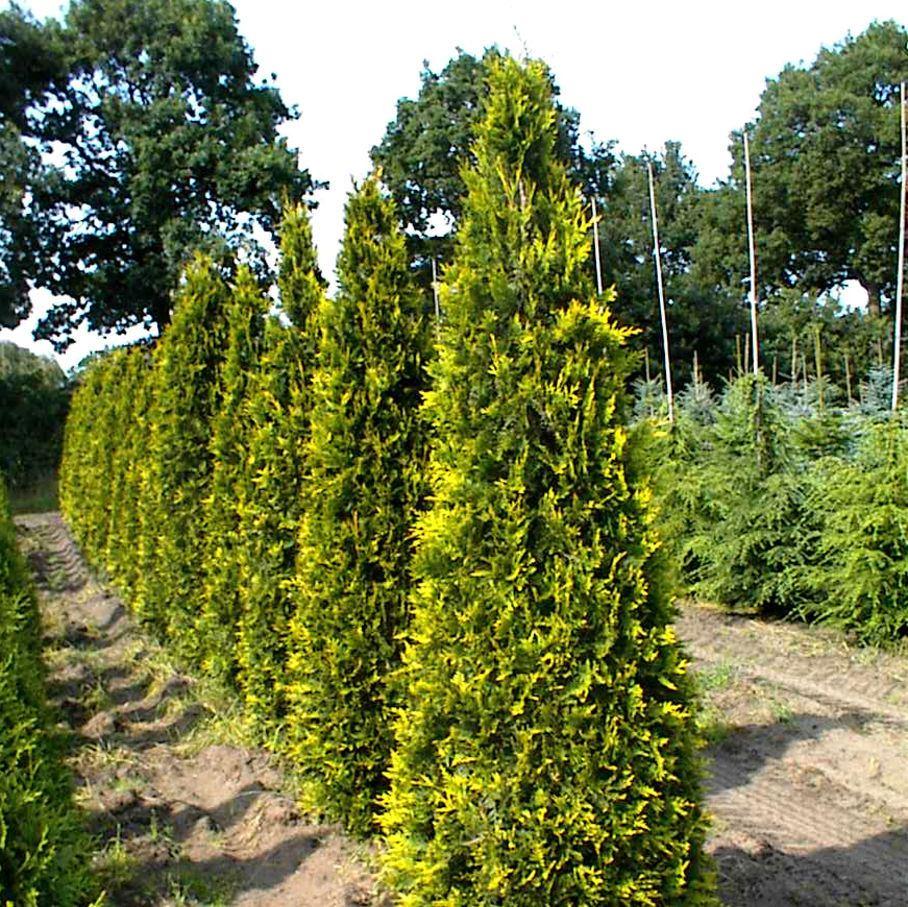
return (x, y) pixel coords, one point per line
(185, 811)
(806, 784)
(807, 787)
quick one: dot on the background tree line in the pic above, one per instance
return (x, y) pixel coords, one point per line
(825, 155)
(134, 134)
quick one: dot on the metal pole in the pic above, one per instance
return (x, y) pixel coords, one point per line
(753, 260)
(896, 357)
(596, 248)
(657, 255)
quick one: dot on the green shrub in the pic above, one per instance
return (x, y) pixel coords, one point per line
(365, 468)
(859, 580)
(545, 745)
(43, 846)
(746, 540)
(34, 399)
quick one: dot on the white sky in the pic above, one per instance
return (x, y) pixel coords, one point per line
(690, 71)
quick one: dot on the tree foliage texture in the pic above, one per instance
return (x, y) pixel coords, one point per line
(183, 466)
(825, 152)
(164, 143)
(790, 499)
(365, 469)
(277, 419)
(544, 748)
(34, 399)
(427, 145)
(858, 578)
(43, 847)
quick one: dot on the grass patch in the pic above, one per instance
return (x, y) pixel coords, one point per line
(39, 496)
(188, 887)
(717, 677)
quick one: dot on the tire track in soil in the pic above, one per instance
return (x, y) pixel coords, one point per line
(808, 777)
(189, 816)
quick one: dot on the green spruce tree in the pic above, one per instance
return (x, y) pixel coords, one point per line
(365, 468)
(545, 744)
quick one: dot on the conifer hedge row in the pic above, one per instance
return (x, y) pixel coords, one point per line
(43, 845)
(439, 591)
(792, 503)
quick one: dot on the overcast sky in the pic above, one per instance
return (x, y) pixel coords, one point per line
(642, 74)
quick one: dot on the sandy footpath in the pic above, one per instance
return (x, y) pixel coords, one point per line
(808, 765)
(187, 813)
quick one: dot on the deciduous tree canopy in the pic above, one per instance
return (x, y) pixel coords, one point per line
(159, 142)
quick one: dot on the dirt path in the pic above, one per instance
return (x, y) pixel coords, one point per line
(190, 812)
(808, 786)
(809, 768)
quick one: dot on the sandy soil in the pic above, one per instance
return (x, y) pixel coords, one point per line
(808, 768)
(187, 813)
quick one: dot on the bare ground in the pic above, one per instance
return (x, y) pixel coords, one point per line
(808, 781)
(185, 810)
(808, 768)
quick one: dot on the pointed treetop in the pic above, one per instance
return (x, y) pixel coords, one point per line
(299, 280)
(524, 228)
(373, 240)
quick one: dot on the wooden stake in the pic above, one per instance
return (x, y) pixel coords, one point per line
(696, 369)
(753, 258)
(819, 364)
(897, 351)
(596, 248)
(775, 368)
(657, 255)
(793, 377)
(847, 377)
(747, 352)
(738, 354)
(435, 295)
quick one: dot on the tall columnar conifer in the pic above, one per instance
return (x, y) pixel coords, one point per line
(544, 750)
(187, 364)
(128, 440)
(217, 620)
(77, 466)
(100, 436)
(365, 468)
(277, 414)
(125, 564)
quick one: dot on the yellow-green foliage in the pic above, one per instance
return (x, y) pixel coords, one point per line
(217, 622)
(43, 847)
(88, 453)
(187, 364)
(277, 414)
(544, 748)
(365, 468)
(131, 436)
